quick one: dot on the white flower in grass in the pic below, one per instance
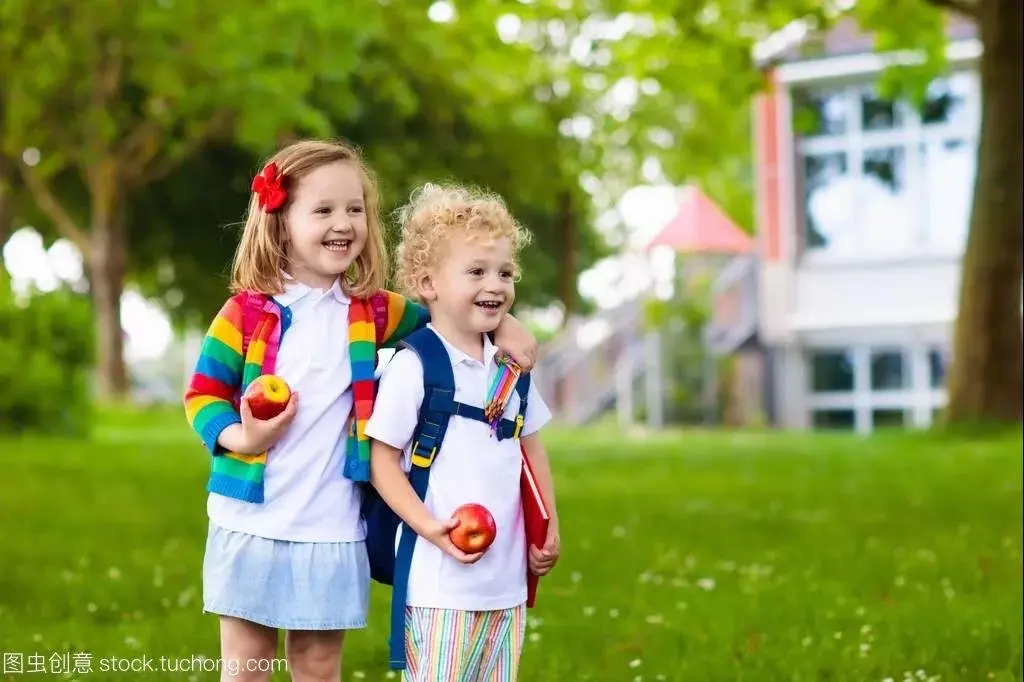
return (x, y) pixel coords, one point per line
(358, 674)
(534, 637)
(390, 675)
(131, 642)
(635, 663)
(588, 610)
(576, 576)
(806, 642)
(90, 607)
(864, 649)
(645, 577)
(706, 584)
(114, 573)
(613, 613)
(618, 532)
(838, 635)
(655, 619)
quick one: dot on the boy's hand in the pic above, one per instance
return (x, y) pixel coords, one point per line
(542, 560)
(514, 338)
(259, 434)
(437, 533)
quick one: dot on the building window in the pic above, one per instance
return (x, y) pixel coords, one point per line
(844, 420)
(880, 177)
(889, 371)
(869, 387)
(831, 371)
(888, 418)
(938, 361)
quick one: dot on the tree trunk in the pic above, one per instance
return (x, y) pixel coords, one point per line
(106, 259)
(985, 377)
(567, 279)
(7, 171)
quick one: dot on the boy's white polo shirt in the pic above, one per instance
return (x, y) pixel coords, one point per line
(306, 497)
(471, 466)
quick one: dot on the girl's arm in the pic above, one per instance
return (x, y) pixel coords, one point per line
(387, 477)
(405, 316)
(209, 406)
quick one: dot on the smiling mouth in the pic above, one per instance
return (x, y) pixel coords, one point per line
(337, 245)
(488, 305)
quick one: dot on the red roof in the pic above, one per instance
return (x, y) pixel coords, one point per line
(701, 227)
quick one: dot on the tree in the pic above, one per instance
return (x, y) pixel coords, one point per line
(107, 101)
(985, 377)
(437, 101)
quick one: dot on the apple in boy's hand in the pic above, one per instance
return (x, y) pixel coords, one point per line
(476, 530)
(267, 395)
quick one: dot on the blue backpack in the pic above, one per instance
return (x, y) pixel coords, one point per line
(438, 406)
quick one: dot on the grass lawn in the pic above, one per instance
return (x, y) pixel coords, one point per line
(696, 557)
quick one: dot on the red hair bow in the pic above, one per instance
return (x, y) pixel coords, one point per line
(268, 189)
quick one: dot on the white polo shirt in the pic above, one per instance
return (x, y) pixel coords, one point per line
(471, 466)
(306, 497)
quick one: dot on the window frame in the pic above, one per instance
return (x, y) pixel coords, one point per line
(911, 135)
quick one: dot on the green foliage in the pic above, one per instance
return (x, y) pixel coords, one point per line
(46, 347)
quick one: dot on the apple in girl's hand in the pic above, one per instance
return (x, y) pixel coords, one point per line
(267, 395)
(476, 530)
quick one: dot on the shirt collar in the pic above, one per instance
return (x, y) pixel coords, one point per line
(295, 291)
(458, 355)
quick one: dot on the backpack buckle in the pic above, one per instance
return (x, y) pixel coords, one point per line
(519, 426)
(422, 461)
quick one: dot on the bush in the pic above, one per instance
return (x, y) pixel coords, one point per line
(46, 352)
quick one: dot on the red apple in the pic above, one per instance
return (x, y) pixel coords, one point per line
(268, 395)
(476, 530)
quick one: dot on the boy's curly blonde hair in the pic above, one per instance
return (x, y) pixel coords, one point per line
(437, 212)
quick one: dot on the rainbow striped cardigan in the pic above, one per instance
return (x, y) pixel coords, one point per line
(222, 373)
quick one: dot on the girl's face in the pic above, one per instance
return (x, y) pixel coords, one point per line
(326, 223)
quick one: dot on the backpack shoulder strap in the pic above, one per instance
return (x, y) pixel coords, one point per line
(438, 396)
(379, 306)
(438, 388)
(252, 310)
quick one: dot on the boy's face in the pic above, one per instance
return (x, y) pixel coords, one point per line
(472, 286)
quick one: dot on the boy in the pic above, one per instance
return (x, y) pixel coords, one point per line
(465, 612)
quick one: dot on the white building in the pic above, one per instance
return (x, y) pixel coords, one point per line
(863, 208)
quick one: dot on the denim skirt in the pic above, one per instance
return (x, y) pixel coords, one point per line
(286, 585)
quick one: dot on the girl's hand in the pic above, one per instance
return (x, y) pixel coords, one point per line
(259, 434)
(542, 560)
(514, 338)
(437, 533)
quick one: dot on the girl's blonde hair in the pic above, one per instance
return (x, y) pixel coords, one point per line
(435, 213)
(260, 256)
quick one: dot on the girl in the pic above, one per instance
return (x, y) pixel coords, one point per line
(465, 613)
(285, 548)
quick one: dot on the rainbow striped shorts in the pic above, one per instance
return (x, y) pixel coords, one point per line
(444, 645)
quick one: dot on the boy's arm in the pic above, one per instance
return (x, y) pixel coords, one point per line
(537, 416)
(535, 451)
(209, 406)
(391, 427)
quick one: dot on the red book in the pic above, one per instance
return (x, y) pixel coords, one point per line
(535, 517)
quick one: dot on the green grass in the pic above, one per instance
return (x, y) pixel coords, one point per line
(686, 556)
